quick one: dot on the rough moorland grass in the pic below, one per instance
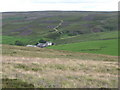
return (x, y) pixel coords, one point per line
(64, 73)
(108, 47)
(46, 68)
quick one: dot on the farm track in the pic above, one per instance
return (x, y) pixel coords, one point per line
(56, 28)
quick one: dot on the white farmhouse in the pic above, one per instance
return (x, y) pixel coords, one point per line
(49, 43)
(31, 46)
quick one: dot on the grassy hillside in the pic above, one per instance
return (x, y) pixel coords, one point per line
(88, 37)
(41, 24)
(109, 47)
(46, 68)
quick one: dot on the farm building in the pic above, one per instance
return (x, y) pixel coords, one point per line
(44, 44)
(41, 45)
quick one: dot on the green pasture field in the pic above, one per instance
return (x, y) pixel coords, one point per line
(108, 47)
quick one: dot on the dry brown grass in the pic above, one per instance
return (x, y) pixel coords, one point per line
(71, 70)
(101, 72)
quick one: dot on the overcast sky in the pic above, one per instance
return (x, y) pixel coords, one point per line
(40, 5)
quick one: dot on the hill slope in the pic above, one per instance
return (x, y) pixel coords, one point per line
(56, 25)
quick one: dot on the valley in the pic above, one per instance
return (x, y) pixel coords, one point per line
(84, 54)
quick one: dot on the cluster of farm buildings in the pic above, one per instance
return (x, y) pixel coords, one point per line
(41, 45)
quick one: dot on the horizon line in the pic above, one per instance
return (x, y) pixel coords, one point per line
(59, 11)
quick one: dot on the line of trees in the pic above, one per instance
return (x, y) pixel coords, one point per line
(20, 43)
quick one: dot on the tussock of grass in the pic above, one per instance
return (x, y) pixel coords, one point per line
(15, 83)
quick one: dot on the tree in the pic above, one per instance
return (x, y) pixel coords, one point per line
(19, 43)
(42, 41)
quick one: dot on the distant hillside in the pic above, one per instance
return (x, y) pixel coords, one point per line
(55, 25)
